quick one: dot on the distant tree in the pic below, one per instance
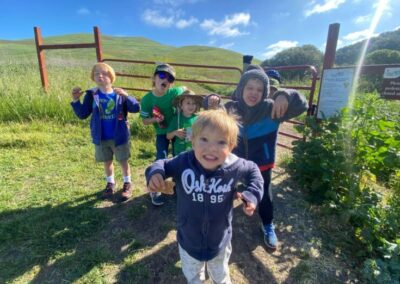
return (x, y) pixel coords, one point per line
(303, 55)
(383, 56)
(349, 55)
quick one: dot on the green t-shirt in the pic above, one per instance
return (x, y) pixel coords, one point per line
(164, 103)
(181, 145)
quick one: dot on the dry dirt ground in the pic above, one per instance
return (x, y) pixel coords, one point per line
(302, 256)
(307, 250)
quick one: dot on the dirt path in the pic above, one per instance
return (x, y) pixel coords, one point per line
(302, 256)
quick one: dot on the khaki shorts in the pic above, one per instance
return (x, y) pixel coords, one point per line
(105, 151)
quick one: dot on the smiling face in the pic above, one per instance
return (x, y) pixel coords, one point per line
(252, 92)
(211, 147)
(188, 106)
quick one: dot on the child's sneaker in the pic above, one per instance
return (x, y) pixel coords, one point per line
(270, 238)
(108, 191)
(126, 191)
(157, 198)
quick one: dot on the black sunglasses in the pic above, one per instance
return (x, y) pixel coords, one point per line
(164, 75)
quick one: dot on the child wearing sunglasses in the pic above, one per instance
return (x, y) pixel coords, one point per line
(157, 110)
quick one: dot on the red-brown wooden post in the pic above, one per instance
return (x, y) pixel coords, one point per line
(97, 40)
(41, 58)
(331, 43)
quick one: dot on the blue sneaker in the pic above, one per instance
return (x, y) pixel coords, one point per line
(157, 198)
(270, 238)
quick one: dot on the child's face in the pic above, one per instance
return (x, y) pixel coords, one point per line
(211, 148)
(101, 77)
(162, 82)
(188, 106)
(252, 92)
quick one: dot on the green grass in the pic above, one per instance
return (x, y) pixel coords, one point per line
(50, 214)
(53, 227)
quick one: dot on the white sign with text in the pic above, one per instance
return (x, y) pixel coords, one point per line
(335, 90)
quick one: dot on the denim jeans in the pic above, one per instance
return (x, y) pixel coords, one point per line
(162, 144)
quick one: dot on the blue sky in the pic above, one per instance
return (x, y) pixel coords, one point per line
(260, 28)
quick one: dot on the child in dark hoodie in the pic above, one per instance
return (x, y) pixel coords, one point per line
(206, 180)
(260, 117)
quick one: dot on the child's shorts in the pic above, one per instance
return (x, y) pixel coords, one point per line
(105, 151)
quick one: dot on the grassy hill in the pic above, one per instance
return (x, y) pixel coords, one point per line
(131, 48)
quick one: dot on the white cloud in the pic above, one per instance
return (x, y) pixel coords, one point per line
(83, 11)
(227, 45)
(325, 7)
(182, 23)
(278, 47)
(363, 19)
(167, 19)
(228, 27)
(358, 36)
(154, 18)
(396, 28)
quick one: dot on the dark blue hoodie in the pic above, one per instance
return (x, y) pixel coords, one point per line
(205, 199)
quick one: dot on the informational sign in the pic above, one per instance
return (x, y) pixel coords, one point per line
(334, 91)
(391, 83)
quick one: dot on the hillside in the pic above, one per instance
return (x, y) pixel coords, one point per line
(130, 48)
(348, 55)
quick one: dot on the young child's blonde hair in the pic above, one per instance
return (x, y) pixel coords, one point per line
(110, 70)
(217, 119)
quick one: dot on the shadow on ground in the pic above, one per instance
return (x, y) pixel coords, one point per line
(134, 242)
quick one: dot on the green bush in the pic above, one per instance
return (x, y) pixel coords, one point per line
(350, 164)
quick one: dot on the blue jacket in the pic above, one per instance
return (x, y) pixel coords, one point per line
(90, 106)
(257, 140)
(205, 199)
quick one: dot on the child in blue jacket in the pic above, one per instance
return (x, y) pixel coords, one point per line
(108, 125)
(206, 178)
(261, 106)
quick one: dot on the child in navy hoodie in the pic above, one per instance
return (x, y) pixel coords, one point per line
(206, 180)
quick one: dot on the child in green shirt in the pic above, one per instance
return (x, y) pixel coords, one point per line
(157, 110)
(180, 128)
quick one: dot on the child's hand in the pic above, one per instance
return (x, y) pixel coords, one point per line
(213, 102)
(248, 207)
(76, 93)
(280, 107)
(156, 183)
(121, 92)
(181, 133)
(157, 119)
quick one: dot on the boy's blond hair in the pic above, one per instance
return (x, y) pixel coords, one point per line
(110, 70)
(217, 119)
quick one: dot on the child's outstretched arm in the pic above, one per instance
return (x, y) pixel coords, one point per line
(248, 206)
(160, 170)
(253, 193)
(288, 104)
